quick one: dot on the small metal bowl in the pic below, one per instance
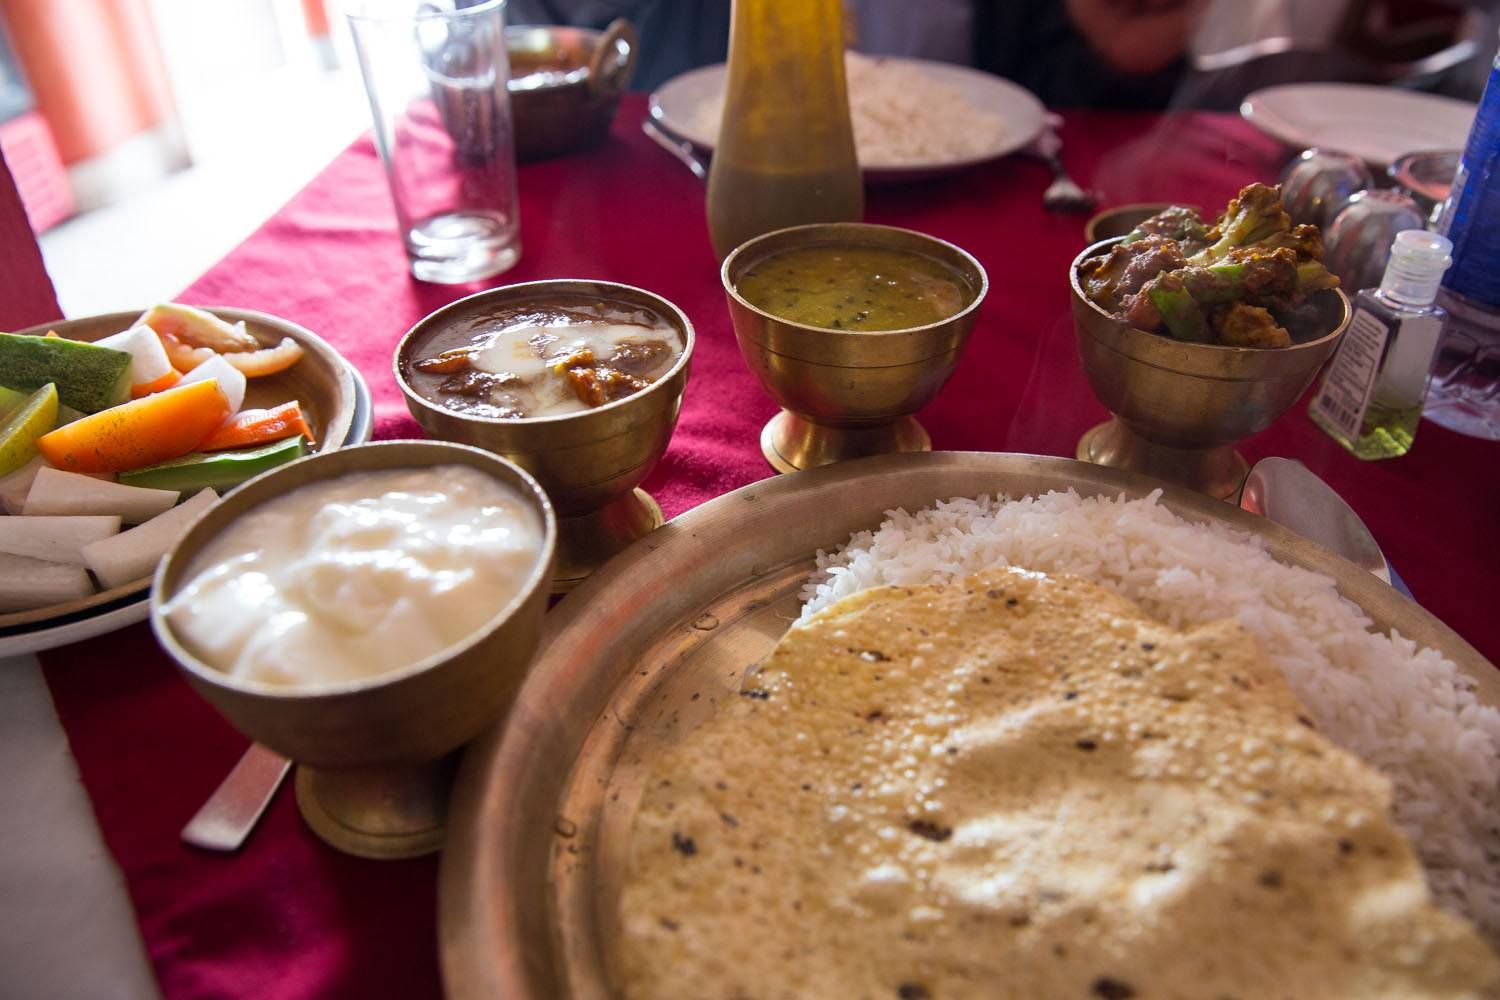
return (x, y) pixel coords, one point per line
(374, 756)
(1179, 408)
(565, 84)
(847, 394)
(1122, 219)
(589, 463)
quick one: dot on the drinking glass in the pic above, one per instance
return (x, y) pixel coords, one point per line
(436, 73)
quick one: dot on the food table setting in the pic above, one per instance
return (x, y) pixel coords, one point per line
(304, 908)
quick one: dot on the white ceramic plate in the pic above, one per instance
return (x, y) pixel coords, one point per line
(675, 105)
(135, 607)
(1377, 124)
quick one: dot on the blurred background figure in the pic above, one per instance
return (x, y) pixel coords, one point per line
(1440, 46)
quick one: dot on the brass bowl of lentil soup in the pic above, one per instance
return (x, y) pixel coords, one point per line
(851, 328)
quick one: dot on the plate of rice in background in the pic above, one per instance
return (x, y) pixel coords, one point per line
(688, 633)
(912, 118)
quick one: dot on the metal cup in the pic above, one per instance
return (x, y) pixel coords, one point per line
(1358, 244)
(1319, 182)
(848, 394)
(375, 756)
(590, 463)
(1180, 408)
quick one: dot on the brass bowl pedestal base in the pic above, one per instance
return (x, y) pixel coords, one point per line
(792, 443)
(1218, 471)
(587, 542)
(378, 812)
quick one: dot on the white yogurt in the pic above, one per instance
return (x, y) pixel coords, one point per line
(357, 577)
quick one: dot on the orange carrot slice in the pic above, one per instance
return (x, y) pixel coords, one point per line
(168, 380)
(141, 432)
(252, 427)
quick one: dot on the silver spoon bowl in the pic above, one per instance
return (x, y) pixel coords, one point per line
(1287, 492)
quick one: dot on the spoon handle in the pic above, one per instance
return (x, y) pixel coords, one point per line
(682, 150)
(231, 812)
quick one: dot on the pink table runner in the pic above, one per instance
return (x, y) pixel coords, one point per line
(289, 917)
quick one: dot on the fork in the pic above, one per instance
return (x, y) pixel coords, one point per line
(1064, 194)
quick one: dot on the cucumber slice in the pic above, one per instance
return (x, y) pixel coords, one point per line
(217, 470)
(88, 378)
(20, 430)
(10, 400)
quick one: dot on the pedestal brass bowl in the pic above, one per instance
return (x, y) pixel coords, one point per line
(1180, 408)
(590, 463)
(848, 394)
(375, 757)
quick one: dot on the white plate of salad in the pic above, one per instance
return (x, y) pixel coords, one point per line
(116, 431)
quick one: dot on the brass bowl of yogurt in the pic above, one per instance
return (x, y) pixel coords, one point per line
(590, 460)
(845, 391)
(373, 730)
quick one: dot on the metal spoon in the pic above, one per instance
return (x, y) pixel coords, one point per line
(1287, 492)
(232, 811)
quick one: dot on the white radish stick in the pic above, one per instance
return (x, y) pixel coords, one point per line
(55, 539)
(134, 554)
(35, 583)
(57, 492)
(150, 371)
(231, 380)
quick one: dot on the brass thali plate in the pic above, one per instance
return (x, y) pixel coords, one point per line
(646, 648)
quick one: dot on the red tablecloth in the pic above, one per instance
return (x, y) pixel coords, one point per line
(288, 917)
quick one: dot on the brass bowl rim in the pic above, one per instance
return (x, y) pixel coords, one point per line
(539, 576)
(1091, 227)
(1135, 332)
(573, 77)
(567, 285)
(747, 247)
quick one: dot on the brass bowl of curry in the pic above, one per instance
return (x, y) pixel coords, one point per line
(588, 414)
(851, 328)
(1179, 408)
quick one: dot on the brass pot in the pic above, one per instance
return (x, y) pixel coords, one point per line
(589, 463)
(374, 755)
(1180, 408)
(847, 394)
(565, 84)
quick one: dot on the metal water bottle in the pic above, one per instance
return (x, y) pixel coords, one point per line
(1465, 391)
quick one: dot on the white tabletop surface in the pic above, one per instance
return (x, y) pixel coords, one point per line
(67, 928)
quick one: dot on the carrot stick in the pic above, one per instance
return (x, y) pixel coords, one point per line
(141, 432)
(252, 427)
(168, 380)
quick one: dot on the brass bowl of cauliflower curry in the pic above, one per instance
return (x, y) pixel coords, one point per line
(1197, 336)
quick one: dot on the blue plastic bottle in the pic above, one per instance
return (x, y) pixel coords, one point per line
(1464, 394)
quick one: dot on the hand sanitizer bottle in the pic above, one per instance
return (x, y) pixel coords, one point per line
(1371, 397)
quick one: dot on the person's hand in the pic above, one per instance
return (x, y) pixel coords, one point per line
(1136, 36)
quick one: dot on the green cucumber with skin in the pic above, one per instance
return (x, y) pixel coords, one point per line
(88, 378)
(216, 470)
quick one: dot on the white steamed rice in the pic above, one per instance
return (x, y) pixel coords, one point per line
(1407, 711)
(901, 116)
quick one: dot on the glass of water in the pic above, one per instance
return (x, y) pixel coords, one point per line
(436, 73)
